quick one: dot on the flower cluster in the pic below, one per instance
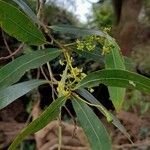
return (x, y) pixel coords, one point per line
(108, 46)
(62, 88)
(89, 43)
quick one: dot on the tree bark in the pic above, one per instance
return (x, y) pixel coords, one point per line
(127, 28)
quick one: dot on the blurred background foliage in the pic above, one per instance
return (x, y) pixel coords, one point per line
(103, 14)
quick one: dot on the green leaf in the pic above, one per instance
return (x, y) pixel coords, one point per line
(114, 120)
(47, 116)
(11, 93)
(18, 25)
(27, 10)
(116, 78)
(92, 126)
(117, 96)
(114, 60)
(77, 31)
(14, 70)
(89, 97)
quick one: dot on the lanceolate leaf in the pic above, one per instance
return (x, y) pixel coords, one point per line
(117, 95)
(11, 93)
(114, 60)
(47, 116)
(92, 126)
(18, 25)
(116, 78)
(14, 70)
(27, 10)
(77, 31)
(114, 120)
(89, 97)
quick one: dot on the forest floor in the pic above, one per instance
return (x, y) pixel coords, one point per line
(73, 138)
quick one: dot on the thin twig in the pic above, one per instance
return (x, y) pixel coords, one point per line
(38, 73)
(50, 72)
(43, 73)
(40, 10)
(52, 79)
(40, 14)
(73, 119)
(70, 44)
(14, 53)
(37, 6)
(36, 103)
(6, 44)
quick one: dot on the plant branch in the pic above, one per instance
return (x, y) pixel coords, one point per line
(6, 44)
(14, 53)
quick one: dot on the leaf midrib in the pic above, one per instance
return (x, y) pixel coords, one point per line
(30, 33)
(7, 16)
(111, 79)
(30, 84)
(24, 65)
(90, 123)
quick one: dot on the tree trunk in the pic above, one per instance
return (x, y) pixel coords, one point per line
(133, 32)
